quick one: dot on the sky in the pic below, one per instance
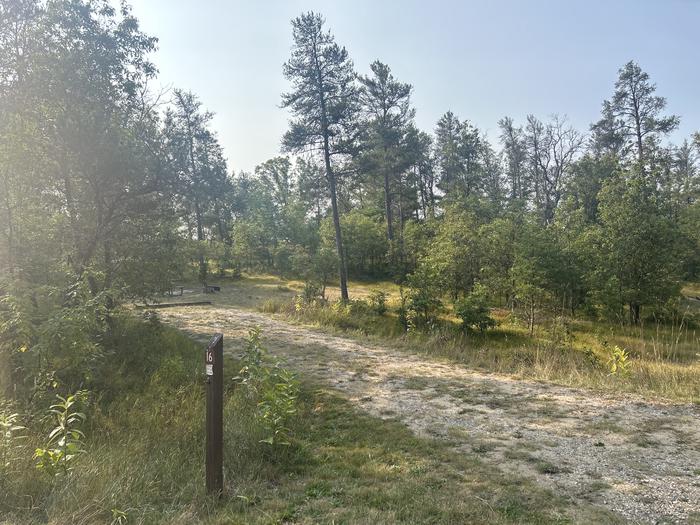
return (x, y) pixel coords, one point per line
(480, 59)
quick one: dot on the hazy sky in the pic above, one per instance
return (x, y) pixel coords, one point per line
(481, 59)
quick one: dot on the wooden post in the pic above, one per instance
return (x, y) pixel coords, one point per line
(214, 364)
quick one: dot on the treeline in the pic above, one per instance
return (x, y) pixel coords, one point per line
(606, 221)
(111, 190)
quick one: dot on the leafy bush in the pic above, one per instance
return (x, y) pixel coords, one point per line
(277, 405)
(420, 316)
(422, 303)
(591, 357)
(422, 309)
(618, 361)
(675, 312)
(561, 334)
(355, 307)
(274, 389)
(313, 291)
(473, 310)
(377, 301)
(65, 441)
(318, 268)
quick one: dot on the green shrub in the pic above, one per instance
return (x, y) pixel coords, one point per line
(561, 334)
(274, 389)
(618, 362)
(65, 441)
(313, 291)
(423, 304)
(278, 404)
(423, 309)
(473, 310)
(591, 357)
(377, 301)
(356, 307)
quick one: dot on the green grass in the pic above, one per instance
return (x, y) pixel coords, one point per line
(144, 458)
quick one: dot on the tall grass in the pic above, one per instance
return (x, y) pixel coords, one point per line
(664, 363)
(144, 433)
(144, 458)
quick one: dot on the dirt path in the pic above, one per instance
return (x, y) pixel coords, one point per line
(639, 460)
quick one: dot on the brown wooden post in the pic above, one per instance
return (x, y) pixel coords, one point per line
(214, 365)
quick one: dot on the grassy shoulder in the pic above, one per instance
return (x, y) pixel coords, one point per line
(664, 360)
(144, 458)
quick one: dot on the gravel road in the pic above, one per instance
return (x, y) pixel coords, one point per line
(638, 459)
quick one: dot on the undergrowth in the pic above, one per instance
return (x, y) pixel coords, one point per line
(656, 361)
(142, 433)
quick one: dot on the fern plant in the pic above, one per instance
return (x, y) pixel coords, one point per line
(65, 441)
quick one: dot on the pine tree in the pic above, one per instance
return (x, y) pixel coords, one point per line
(323, 102)
(386, 102)
(633, 116)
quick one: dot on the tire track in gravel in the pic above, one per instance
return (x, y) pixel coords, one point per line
(638, 459)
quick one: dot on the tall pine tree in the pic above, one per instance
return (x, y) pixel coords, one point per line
(323, 102)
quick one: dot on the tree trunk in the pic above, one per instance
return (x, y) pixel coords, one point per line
(423, 197)
(200, 248)
(224, 235)
(387, 203)
(342, 268)
(638, 133)
(387, 208)
(635, 313)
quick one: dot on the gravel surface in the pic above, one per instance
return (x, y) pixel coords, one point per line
(638, 459)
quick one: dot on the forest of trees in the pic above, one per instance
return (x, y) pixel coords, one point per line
(110, 190)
